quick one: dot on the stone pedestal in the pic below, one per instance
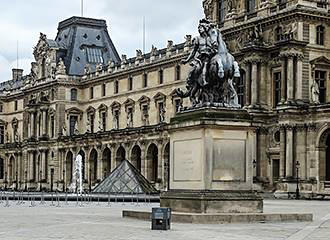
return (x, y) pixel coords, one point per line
(211, 162)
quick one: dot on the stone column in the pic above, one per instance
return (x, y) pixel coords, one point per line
(290, 80)
(160, 161)
(32, 124)
(43, 164)
(299, 78)
(289, 151)
(282, 151)
(311, 151)
(301, 151)
(263, 84)
(283, 82)
(44, 118)
(248, 85)
(254, 83)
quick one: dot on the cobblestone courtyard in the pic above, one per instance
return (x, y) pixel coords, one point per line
(99, 221)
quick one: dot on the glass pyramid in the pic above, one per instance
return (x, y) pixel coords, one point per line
(125, 178)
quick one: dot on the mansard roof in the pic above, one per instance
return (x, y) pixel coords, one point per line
(76, 34)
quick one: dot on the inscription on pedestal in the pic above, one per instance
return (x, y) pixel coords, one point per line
(229, 160)
(187, 160)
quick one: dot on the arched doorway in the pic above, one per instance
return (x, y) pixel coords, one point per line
(120, 155)
(83, 157)
(152, 163)
(324, 156)
(106, 160)
(93, 165)
(68, 167)
(136, 157)
(166, 158)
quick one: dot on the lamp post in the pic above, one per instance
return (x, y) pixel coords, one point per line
(40, 177)
(254, 162)
(25, 176)
(5, 181)
(90, 180)
(297, 189)
(16, 181)
(51, 179)
(63, 180)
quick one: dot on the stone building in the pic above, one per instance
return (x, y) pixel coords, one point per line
(82, 98)
(283, 48)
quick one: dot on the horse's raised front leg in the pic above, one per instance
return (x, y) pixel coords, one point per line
(221, 72)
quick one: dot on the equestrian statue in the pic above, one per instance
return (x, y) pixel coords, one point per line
(214, 70)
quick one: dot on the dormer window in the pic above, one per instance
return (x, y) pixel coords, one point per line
(94, 55)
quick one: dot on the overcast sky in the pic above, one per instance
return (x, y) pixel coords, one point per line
(22, 20)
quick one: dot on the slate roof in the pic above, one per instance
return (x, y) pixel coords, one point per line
(77, 33)
(125, 179)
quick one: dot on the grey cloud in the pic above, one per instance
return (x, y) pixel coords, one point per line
(23, 20)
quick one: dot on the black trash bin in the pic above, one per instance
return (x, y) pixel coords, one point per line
(161, 219)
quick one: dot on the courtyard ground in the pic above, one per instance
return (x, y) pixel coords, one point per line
(101, 221)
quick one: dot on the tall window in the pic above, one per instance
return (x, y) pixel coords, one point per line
(91, 92)
(1, 107)
(73, 94)
(52, 126)
(278, 33)
(94, 55)
(145, 80)
(241, 89)
(161, 76)
(73, 122)
(116, 86)
(320, 79)
(178, 72)
(250, 5)
(104, 120)
(91, 121)
(130, 83)
(1, 169)
(222, 12)
(16, 105)
(2, 134)
(103, 90)
(277, 88)
(320, 35)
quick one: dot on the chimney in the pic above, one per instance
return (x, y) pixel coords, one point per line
(17, 73)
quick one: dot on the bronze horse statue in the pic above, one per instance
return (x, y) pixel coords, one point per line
(211, 78)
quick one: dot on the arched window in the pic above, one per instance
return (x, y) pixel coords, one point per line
(73, 94)
(320, 35)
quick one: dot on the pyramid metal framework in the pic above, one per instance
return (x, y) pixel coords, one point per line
(125, 178)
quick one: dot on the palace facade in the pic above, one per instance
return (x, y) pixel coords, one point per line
(82, 98)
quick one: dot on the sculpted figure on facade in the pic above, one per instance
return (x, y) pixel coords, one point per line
(61, 69)
(64, 132)
(315, 92)
(213, 70)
